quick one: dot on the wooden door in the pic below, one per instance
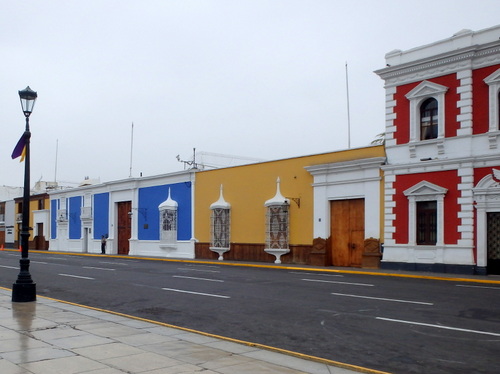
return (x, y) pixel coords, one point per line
(39, 238)
(347, 232)
(124, 227)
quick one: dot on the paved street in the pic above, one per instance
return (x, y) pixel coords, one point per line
(394, 324)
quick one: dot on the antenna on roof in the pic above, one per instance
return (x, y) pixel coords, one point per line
(348, 111)
(131, 149)
(55, 169)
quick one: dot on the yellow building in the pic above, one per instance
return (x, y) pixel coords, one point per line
(38, 221)
(247, 188)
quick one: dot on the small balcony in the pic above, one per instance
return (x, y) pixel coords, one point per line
(86, 213)
(62, 215)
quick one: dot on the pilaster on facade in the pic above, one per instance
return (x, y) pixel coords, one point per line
(465, 102)
(466, 203)
(389, 204)
(390, 116)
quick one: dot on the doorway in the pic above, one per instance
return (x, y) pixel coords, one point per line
(347, 231)
(39, 239)
(493, 242)
(124, 227)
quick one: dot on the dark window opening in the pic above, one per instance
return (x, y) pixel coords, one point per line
(426, 222)
(429, 119)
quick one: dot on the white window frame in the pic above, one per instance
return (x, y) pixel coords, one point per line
(168, 222)
(425, 191)
(417, 96)
(493, 81)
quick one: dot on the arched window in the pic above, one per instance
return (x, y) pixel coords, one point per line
(427, 115)
(429, 119)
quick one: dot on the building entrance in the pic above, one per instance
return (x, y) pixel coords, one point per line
(124, 227)
(493, 242)
(347, 232)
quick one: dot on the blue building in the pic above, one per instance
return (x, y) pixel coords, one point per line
(149, 216)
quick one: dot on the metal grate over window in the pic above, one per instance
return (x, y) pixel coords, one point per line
(220, 227)
(277, 226)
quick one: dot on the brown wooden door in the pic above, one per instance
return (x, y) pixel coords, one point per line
(124, 228)
(347, 232)
(39, 238)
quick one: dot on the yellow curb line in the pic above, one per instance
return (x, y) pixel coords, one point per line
(325, 270)
(325, 361)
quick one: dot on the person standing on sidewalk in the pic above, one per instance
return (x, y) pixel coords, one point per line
(103, 244)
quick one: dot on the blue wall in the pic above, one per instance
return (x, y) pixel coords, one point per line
(75, 223)
(149, 216)
(101, 215)
(54, 206)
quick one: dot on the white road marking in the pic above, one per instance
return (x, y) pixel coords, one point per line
(38, 262)
(438, 326)
(92, 267)
(202, 270)
(200, 265)
(75, 276)
(316, 274)
(336, 282)
(466, 285)
(9, 267)
(204, 279)
(196, 293)
(113, 263)
(383, 299)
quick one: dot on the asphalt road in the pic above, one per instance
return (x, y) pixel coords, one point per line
(400, 325)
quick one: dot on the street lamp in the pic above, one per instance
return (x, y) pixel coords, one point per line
(24, 289)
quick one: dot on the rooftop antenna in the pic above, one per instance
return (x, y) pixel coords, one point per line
(192, 163)
(131, 149)
(348, 111)
(55, 169)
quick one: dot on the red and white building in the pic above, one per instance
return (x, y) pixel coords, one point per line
(442, 177)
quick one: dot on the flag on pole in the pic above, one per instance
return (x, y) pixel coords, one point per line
(20, 149)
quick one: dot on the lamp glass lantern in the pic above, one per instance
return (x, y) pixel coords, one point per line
(28, 98)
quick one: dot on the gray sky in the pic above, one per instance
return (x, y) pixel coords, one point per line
(255, 78)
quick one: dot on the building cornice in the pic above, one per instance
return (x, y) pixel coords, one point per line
(442, 164)
(365, 163)
(445, 63)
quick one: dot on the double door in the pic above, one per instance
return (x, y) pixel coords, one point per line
(347, 232)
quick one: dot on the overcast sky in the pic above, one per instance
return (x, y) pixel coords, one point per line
(254, 78)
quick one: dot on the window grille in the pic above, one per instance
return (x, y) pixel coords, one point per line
(220, 227)
(426, 222)
(168, 226)
(168, 222)
(277, 224)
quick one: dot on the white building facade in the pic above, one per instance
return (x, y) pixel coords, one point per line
(442, 145)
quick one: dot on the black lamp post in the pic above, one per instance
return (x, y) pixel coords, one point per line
(24, 289)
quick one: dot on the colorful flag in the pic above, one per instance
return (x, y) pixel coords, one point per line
(20, 149)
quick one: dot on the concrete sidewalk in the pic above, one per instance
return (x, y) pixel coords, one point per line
(50, 336)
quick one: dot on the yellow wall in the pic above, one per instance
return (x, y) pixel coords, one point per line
(33, 206)
(248, 187)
